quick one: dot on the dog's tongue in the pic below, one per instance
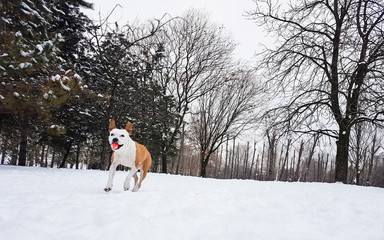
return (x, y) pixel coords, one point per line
(115, 145)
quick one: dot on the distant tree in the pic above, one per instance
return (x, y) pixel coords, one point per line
(329, 58)
(364, 146)
(223, 114)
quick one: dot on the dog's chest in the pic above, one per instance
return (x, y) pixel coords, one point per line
(126, 155)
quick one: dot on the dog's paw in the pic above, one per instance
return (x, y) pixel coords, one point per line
(126, 188)
(107, 189)
(135, 189)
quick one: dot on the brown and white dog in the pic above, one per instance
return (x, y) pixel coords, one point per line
(127, 153)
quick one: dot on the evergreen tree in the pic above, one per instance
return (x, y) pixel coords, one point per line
(72, 24)
(123, 73)
(39, 39)
(27, 55)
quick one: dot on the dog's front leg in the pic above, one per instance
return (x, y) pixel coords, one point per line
(128, 179)
(112, 171)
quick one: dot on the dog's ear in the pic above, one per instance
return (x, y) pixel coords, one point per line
(128, 127)
(112, 124)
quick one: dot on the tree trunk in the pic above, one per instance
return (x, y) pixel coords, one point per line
(325, 169)
(53, 157)
(310, 157)
(164, 163)
(271, 156)
(342, 144)
(4, 150)
(77, 155)
(46, 157)
(42, 155)
(253, 161)
(226, 159)
(203, 167)
(68, 150)
(358, 154)
(262, 163)
(181, 152)
(246, 162)
(297, 176)
(103, 162)
(3, 157)
(220, 159)
(238, 160)
(233, 158)
(23, 141)
(370, 165)
(14, 157)
(285, 160)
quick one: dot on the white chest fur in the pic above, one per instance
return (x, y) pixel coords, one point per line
(126, 155)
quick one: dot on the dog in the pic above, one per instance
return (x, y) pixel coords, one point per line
(127, 153)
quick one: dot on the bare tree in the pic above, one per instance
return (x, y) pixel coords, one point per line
(223, 114)
(329, 59)
(195, 54)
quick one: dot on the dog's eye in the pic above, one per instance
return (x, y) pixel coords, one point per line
(112, 134)
(122, 135)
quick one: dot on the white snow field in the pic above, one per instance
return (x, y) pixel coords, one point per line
(65, 204)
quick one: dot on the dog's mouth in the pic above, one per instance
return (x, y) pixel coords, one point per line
(116, 146)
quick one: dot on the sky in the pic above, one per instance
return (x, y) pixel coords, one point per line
(229, 14)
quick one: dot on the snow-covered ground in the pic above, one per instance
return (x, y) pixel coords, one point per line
(38, 203)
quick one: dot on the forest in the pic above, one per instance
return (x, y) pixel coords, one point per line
(310, 110)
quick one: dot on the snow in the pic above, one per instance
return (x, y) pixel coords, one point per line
(47, 9)
(18, 34)
(29, 10)
(66, 88)
(25, 65)
(27, 54)
(59, 11)
(85, 113)
(77, 76)
(7, 20)
(66, 204)
(40, 48)
(55, 78)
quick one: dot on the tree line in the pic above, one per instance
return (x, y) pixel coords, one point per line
(64, 77)
(308, 103)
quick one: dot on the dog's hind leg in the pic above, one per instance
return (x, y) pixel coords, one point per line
(136, 178)
(143, 174)
(132, 173)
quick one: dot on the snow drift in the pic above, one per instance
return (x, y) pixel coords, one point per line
(38, 203)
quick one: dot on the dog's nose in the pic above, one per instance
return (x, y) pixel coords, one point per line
(115, 140)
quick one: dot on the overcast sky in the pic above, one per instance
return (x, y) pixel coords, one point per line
(229, 13)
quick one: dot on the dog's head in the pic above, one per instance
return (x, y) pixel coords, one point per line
(119, 137)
